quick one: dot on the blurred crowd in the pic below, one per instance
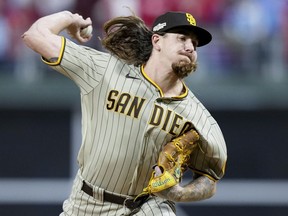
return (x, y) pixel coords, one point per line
(250, 37)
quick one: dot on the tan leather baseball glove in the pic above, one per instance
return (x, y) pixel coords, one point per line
(173, 162)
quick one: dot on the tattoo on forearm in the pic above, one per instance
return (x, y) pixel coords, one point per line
(198, 189)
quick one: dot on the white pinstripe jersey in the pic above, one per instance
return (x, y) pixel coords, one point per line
(126, 120)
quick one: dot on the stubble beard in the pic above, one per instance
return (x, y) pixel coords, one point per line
(182, 68)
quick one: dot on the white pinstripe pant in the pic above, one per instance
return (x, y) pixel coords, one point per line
(82, 204)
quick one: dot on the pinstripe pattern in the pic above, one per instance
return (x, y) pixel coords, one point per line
(125, 122)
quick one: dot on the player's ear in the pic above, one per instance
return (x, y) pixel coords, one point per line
(155, 41)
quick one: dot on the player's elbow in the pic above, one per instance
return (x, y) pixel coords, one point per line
(34, 37)
(28, 39)
(25, 37)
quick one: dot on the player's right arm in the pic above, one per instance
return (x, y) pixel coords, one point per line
(43, 36)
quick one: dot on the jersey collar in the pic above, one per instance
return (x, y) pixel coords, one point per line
(183, 95)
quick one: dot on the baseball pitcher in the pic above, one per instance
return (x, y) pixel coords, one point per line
(142, 127)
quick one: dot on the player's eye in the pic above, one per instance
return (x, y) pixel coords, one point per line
(183, 38)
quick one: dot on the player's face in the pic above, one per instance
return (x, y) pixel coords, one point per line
(180, 51)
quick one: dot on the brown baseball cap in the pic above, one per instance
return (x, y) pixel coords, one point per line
(177, 20)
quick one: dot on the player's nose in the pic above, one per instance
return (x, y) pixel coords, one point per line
(189, 46)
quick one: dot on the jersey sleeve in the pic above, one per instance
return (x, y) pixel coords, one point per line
(84, 65)
(210, 157)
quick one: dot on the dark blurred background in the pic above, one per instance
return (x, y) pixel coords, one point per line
(242, 79)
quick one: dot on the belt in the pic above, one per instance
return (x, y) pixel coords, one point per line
(128, 202)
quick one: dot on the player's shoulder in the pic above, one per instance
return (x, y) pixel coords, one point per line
(91, 51)
(195, 98)
(192, 96)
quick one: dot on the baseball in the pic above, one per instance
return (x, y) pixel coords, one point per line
(86, 32)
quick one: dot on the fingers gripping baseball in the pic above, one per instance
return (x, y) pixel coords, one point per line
(80, 29)
(172, 163)
(86, 32)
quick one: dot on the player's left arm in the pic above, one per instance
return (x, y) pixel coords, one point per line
(200, 188)
(174, 159)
